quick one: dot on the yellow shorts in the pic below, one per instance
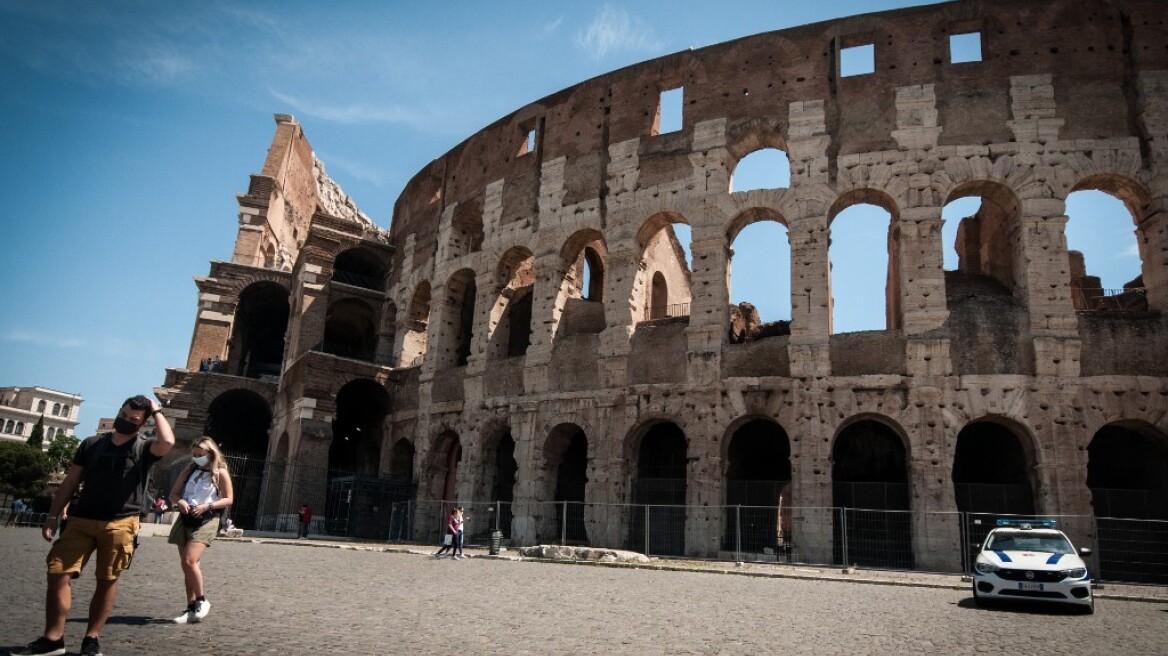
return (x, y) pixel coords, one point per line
(113, 541)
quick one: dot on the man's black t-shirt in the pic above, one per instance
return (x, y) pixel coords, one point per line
(113, 484)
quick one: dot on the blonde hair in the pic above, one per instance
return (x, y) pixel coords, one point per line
(218, 461)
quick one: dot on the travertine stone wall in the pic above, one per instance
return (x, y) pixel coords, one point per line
(1069, 95)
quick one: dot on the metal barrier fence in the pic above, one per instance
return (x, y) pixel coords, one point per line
(1124, 550)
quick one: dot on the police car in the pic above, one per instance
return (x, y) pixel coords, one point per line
(1031, 560)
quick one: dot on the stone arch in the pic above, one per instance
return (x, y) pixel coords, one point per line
(401, 460)
(749, 166)
(454, 338)
(362, 404)
(995, 467)
(989, 245)
(657, 450)
(1127, 474)
(350, 329)
(361, 267)
(893, 318)
(442, 464)
(564, 480)
(579, 306)
(660, 252)
(466, 229)
(749, 216)
(239, 421)
(500, 468)
(259, 330)
(510, 325)
(871, 484)
(415, 326)
(1088, 291)
(782, 258)
(756, 457)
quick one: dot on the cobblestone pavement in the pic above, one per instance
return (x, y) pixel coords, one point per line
(288, 597)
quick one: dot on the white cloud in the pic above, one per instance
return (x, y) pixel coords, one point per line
(1129, 252)
(613, 30)
(351, 114)
(358, 170)
(40, 339)
(553, 25)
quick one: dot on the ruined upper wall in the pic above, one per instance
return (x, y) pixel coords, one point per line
(1092, 48)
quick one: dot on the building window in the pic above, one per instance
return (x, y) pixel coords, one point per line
(41, 406)
(56, 409)
(65, 410)
(858, 60)
(8, 426)
(964, 48)
(669, 111)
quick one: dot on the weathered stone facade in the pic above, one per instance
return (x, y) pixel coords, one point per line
(482, 336)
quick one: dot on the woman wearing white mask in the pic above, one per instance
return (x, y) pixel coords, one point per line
(199, 495)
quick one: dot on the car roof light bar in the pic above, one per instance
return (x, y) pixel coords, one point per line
(1027, 523)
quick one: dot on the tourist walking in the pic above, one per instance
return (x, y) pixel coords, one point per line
(103, 519)
(18, 508)
(459, 535)
(453, 524)
(199, 495)
(159, 507)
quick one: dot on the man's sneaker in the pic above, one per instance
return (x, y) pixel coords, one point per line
(42, 646)
(202, 607)
(187, 616)
(90, 647)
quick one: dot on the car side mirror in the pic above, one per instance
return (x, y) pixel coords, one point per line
(1084, 551)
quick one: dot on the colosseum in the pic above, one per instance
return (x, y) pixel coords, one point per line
(529, 337)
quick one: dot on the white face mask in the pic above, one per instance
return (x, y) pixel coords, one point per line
(201, 461)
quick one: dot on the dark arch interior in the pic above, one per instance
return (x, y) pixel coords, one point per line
(660, 483)
(261, 319)
(402, 466)
(466, 314)
(595, 275)
(360, 268)
(506, 469)
(356, 445)
(519, 323)
(991, 473)
(238, 421)
(869, 468)
(1127, 471)
(350, 330)
(758, 473)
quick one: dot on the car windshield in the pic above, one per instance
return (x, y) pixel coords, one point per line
(1048, 543)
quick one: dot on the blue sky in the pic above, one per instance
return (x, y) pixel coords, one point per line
(128, 127)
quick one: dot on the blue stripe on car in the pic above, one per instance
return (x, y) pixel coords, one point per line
(1054, 558)
(1003, 557)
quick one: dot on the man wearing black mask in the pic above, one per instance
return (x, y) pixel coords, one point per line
(115, 469)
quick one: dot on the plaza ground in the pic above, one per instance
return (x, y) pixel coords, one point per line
(289, 597)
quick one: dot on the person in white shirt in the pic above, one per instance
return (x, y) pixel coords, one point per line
(199, 495)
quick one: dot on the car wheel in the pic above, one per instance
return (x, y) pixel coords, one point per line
(977, 600)
(1089, 609)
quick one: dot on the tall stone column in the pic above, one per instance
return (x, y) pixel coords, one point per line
(707, 311)
(1045, 269)
(1153, 237)
(922, 300)
(810, 298)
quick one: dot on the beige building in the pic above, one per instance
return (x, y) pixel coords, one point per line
(462, 352)
(22, 407)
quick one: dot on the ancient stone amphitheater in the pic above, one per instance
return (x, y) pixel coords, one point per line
(529, 332)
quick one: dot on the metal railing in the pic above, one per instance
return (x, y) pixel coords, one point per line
(666, 311)
(1098, 299)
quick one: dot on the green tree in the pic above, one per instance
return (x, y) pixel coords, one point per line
(23, 470)
(61, 450)
(37, 439)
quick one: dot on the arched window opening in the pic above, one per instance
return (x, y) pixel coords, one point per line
(758, 478)
(870, 484)
(1127, 473)
(401, 466)
(447, 456)
(239, 420)
(415, 326)
(466, 235)
(257, 341)
(41, 405)
(980, 221)
(519, 332)
(760, 282)
(20, 429)
(65, 410)
(56, 409)
(9, 426)
(360, 267)
(567, 452)
(863, 279)
(766, 168)
(660, 484)
(665, 250)
(1106, 267)
(593, 277)
(466, 317)
(510, 321)
(350, 330)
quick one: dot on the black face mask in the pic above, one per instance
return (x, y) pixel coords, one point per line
(125, 426)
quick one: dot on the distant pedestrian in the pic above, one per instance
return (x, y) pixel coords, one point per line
(103, 518)
(159, 507)
(305, 520)
(18, 509)
(459, 533)
(450, 535)
(199, 495)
